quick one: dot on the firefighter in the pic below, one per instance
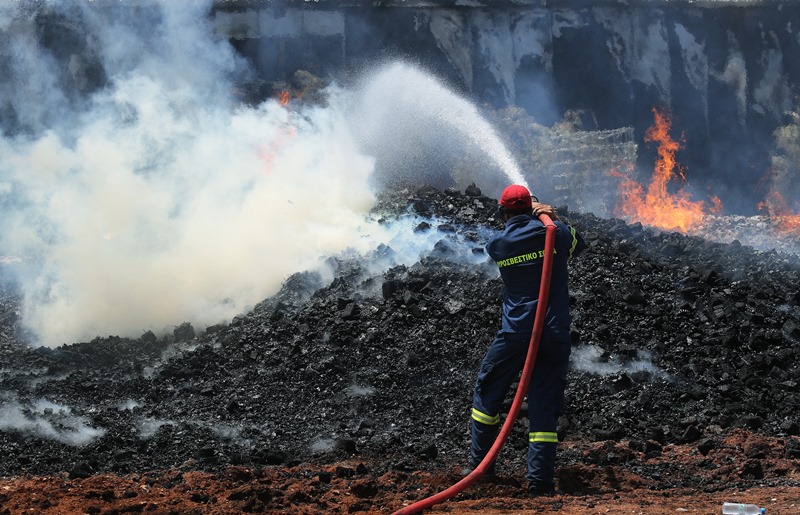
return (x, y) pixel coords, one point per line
(518, 252)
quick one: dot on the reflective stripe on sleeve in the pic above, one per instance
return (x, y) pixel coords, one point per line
(543, 437)
(483, 418)
(574, 241)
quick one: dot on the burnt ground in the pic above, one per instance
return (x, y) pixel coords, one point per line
(353, 395)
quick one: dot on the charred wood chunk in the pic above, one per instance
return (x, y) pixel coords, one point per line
(184, 332)
(472, 191)
(706, 446)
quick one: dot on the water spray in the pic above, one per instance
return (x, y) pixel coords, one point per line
(428, 119)
(527, 372)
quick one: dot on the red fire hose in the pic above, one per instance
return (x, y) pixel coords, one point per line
(527, 371)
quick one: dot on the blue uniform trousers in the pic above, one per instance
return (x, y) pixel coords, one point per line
(501, 366)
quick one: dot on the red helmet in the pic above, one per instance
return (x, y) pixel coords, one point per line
(516, 197)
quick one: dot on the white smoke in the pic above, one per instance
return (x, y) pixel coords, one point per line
(163, 201)
(148, 427)
(322, 445)
(155, 197)
(592, 359)
(404, 242)
(208, 228)
(45, 419)
(128, 405)
(735, 75)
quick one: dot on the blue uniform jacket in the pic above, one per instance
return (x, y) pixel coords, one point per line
(519, 252)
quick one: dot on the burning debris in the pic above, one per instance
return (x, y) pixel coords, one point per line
(657, 206)
(661, 206)
(594, 171)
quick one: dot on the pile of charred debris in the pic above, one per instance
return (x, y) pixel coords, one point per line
(676, 339)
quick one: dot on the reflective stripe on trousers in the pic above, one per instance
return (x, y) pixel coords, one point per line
(543, 436)
(499, 369)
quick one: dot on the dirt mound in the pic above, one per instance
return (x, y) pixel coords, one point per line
(610, 478)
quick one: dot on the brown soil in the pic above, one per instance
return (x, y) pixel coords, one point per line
(353, 487)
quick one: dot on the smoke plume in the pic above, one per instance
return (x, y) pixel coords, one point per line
(48, 420)
(138, 191)
(154, 197)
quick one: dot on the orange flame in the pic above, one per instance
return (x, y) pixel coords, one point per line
(656, 206)
(716, 205)
(784, 219)
(269, 152)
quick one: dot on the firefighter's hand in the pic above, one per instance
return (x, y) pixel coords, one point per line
(539, 208)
